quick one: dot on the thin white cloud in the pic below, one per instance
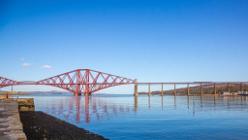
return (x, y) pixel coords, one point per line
(25, 64)
(47, 66)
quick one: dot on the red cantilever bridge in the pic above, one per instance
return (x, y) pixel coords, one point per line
(87, 81)
(80, 81)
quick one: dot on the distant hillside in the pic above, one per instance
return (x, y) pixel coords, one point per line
(206, 89)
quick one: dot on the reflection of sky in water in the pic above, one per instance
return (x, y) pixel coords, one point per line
(168, 117)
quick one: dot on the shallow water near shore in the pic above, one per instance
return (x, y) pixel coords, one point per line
(156, 117)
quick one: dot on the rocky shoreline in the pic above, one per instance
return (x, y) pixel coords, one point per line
(41, 126)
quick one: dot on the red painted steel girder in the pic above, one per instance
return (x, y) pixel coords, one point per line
(4, 82)
(85, 81)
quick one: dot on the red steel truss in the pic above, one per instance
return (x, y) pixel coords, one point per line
(4, 82)
(80, 81)
(85, 81)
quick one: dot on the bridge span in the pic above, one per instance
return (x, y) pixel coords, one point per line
(87, 81)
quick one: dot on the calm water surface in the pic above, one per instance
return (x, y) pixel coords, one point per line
(152, 118)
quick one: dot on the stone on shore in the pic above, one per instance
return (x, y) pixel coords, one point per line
(10, 125)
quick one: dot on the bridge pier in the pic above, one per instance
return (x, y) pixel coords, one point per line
(149, 89)
(175, 89)
(136, 92)
(162, 89)
(77, 94)
(87, 94)
(215, 89)
(188, 90)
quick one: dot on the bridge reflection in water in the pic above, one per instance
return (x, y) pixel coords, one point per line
(83, 109)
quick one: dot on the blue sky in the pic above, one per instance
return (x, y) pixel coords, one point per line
(169, 40)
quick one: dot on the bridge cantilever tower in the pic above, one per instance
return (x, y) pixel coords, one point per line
(85, 81)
